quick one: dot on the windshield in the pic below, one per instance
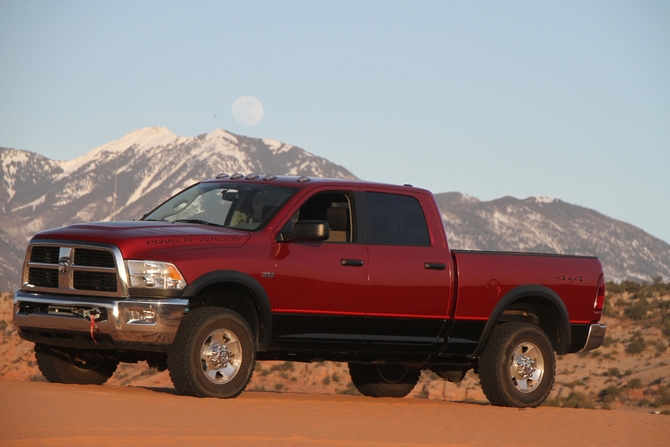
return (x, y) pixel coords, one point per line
(231, 205)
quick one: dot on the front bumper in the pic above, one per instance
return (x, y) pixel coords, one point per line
(126, 324)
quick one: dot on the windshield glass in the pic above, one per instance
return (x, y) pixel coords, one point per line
(232, 205)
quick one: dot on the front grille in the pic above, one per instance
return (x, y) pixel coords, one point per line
(105, 282)
(46, 255)
(73, 269)
(93, 258)
(40, 277)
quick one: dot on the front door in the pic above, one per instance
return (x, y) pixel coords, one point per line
(319, 293)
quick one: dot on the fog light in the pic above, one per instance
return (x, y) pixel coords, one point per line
(142, 316)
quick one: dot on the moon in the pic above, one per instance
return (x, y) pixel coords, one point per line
(248, 111)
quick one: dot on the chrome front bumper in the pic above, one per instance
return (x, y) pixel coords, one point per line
(122, 322)
(595, 337)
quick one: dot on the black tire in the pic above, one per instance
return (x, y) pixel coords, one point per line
(212, 354)
(518, 366)
(384, 380)
(61, 365)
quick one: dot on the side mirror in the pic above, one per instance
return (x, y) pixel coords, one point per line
(307, 231)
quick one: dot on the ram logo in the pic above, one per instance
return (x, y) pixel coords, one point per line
(63, 265)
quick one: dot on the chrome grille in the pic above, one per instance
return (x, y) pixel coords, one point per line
(70, 268)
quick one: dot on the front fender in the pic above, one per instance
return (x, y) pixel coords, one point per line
(259, 297)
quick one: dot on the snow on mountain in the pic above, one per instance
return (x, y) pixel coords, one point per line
(128, 177)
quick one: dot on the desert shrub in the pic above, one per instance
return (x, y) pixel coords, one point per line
(279, 386)
(612, 372)
(635, 383)
(636, 345)
(286, 366)
(577, 400)
(336, 377)
(666, 328)
(326, 380)
(638, 310)
(609, 341)
(609, 394)
(660, 346)
(608, 308)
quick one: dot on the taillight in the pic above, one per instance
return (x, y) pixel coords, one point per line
(600, 298)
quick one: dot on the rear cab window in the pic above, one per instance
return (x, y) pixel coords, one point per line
(395, 219)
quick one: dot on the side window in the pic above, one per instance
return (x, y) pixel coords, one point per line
(396, 220)
(334, 208)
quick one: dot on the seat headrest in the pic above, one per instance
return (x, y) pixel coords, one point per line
(338, 218)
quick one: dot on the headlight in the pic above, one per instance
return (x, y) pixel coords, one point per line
(155, 275)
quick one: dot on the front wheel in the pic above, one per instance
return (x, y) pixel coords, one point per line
(384, 380)
(518, 366)
(212, 354)
(73, 366)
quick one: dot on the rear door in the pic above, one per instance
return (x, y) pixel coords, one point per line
(409, 273)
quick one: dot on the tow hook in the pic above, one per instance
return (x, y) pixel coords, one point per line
(91, 315)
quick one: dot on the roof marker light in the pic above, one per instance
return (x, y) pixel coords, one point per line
(222, 175)
(252, 177)
(236, 176)
(303, 179)
(270, 177)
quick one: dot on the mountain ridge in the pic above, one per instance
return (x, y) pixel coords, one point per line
(125, 178)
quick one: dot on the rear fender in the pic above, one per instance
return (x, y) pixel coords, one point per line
(534, 294)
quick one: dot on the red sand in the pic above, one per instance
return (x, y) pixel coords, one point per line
(44, 414)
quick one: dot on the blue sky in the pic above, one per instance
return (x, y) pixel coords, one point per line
(523, 98)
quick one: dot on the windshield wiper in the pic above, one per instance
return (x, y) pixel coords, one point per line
(197, 221)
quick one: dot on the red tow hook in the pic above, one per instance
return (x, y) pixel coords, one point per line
(92, 315)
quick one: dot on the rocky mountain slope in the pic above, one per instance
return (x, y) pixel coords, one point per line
(130, 176)
(544, 225)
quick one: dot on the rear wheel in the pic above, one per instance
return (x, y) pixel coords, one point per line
(73, 366)
(384, 380)
(212, 354)
(518, 366)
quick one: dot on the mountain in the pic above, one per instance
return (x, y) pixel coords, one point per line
(124, 179)
(544, 225)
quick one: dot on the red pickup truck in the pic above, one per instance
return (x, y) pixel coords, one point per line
(243, 268)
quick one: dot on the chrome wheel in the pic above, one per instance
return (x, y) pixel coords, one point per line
(212, 354)
(526, 367)
(221, 356)
(518, 365)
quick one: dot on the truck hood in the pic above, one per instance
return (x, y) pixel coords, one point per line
(139, 239)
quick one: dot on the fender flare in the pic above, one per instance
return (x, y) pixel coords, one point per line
(534, 290)
(259, 297)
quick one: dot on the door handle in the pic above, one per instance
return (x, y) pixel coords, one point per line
(351, 262)
(434, 266)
